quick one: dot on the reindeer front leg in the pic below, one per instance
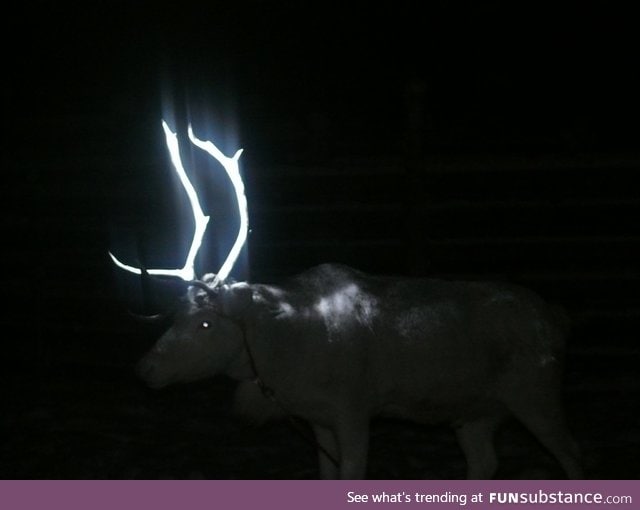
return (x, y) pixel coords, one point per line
(353, 442)
(329, 467)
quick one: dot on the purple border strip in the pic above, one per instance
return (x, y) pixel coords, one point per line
(317, 495)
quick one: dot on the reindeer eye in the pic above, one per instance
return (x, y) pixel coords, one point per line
(205, 325)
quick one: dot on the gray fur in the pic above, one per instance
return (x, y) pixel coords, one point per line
(338, 347)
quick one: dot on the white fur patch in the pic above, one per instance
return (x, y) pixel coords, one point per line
(345, 306)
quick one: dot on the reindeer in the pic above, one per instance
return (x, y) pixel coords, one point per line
(335, 347)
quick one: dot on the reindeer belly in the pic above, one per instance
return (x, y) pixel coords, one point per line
(436, 411)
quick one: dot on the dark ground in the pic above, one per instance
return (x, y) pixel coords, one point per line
(83, 422)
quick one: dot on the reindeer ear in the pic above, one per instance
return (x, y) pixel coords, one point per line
(236, 299)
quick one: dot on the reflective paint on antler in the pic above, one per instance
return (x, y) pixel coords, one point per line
(187, 272)
(233, 171)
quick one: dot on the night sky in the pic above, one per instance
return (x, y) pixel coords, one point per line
(495, 76)
(459, 139)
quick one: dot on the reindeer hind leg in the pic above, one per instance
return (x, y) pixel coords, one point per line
(476, 440)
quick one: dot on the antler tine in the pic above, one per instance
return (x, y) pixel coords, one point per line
(230, 164)
(150, 319)
(187, 272)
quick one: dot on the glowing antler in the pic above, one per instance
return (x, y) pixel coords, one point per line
(233, 171)
(230, 165)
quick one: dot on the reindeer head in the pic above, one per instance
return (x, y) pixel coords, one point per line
(206, 335)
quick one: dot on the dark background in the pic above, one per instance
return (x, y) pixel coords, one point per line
(455, 139)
